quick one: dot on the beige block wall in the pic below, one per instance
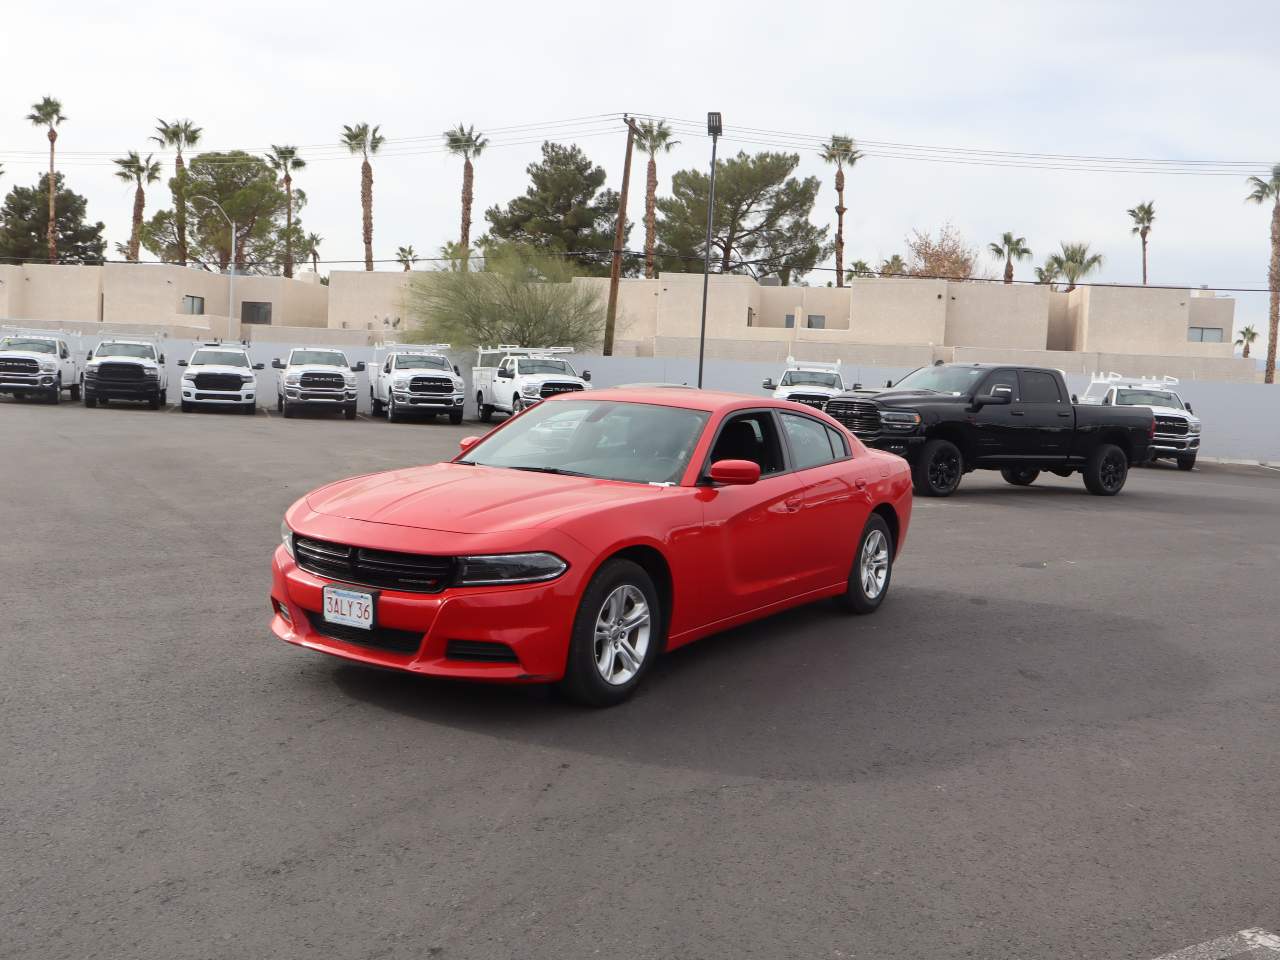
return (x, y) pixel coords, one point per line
(152, 293)
(368, 300)
(42, 291)
(1126, 320)
(1062, 332)
(1013, 316)
(1211, 311)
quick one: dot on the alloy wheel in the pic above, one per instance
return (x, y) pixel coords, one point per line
(873, 566)
(944, 470)
(622, 631)
(1111, 471)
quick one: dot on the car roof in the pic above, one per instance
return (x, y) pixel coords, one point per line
(689, 398)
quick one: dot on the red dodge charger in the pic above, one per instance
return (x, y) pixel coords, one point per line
(580, 539)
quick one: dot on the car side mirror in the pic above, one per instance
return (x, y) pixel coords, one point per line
(466, 443)
(888, 383)
(456, 371)
(768, 384)
(88, 356)
(734, 473)
(259, 366)
(1074, 398)
(182, 363)
(992, 400)
(1189, 410)
(586, 375)
(359, 367)
(276, 364)
(161, 358)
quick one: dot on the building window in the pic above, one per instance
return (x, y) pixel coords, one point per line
(193, 305)
(254, 312)
(751, 317)
(789, 321)
(1204, 334)
(816, 321)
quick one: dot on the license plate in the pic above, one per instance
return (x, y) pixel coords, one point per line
(351, 608)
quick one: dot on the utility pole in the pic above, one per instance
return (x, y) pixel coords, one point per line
(619, 237)
(715, 126)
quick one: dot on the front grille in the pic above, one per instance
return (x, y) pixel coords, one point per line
(131, 372)
(410, 572)
(809, 399)
(860, 416)
(430, 385)
(19, 365)
(322, 381)
(482, 651)
(1172, 426)
(551, 389)
(385, 638)
(218, 381)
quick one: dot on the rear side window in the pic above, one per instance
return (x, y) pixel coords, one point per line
(839, 445)
(1038, 387)
(1002, 381)
(809, 440)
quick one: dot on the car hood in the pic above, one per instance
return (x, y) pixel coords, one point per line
(458, 498)
(28, 355)
(136, 361)
(1174, 412)
(904, 398)
(317, 368)
(783, 392)
(219, 368)
(541, 378)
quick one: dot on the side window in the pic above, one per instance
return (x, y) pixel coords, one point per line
(750, 436)
(839, 445)
(1002, 381)
(387, 368)
(810, 445)
(1040, 387)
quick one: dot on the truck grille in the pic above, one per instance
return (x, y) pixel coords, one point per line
(19, 365)
(860, 416)
(430, 385)
(322, 381)
(120, 371)
(551, 389)
(411, 572)
(1171, 426)
(817, 400)
(386, 638)
(218, 381)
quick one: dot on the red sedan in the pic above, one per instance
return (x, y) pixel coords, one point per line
(577, 541)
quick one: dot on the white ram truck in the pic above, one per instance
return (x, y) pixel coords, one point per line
(509, 378)
(125, 370)
(808, 382)
(1177, 435)
(410, 379)
(220, 375)
(316, 378)
(38, 365)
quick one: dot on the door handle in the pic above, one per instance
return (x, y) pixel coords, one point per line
(860, 483)
(1017, 413)
(1063, 415)
(793, 504)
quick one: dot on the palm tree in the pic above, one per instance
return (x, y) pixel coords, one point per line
(840, 151)
(1144, 214)
(48, 113)
(285, 160)
(178, 134)
(1010, 248)
(653, 139)
(464, 142)
(1246, 338)
(311, 248)
(859, 268)
(893, 267)
(1050, 272)
(1264, 190)
(366, 141)
(135, 170)
(407, 257)
(1075, 262)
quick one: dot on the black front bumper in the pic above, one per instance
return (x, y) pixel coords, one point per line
(121, 389)
(905, 447)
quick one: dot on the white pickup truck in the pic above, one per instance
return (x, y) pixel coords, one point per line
(220, 374)
(808, 382)
(38, 365)
(317, 378)
(1177, 435)
(125, 370)
(415, 379)
(509, 378)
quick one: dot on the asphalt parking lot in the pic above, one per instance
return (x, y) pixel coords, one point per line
(1057, 738)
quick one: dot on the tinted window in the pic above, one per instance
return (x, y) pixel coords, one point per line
(1039, 387)
(750, 436)
(418, 361)
(141, 350)
(225, 358)
(810, 445)
(839, 445)
(1002, 378)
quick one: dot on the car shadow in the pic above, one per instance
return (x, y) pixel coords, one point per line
(932, 679)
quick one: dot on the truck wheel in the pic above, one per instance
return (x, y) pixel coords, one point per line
(937, 471)
(185, 406)
(393, 410)
(90, 401)
(55, 395)
(157, 401)
(485, 410)
(1187, 463)
(375, 404)
(455, 417)
(287, 409)
(516, 405)
(1019, 476)
(1106, 471)
(872, 568)
(103, 401)
(75, 392)
(249, 409)
(279, 403)
(350, 411)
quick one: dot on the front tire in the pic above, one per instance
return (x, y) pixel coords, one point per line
(1187, 463)
(186, 406)
(286, 408)
(55, 395)
(516, 405)
(393, 410)
(375, 404)
(350, 412)
(1106, 471)
(617, 633)
(938, 469)
(455, 417)
(872, 568)
(1020, 476)
(90, 401)
(75, 392)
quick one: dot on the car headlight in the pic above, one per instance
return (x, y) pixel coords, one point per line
(286, 537)
(900, 419)
(457, 383)
(189, 375)
(1193, 428)
(48, 366)
(247, 378)
(291, 379)
(350, 380)
(509, 568)
(530, 390)
(401, 383)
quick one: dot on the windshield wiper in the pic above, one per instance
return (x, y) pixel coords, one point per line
(558, 471)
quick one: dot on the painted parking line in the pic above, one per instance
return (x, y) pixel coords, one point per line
(1254, 944)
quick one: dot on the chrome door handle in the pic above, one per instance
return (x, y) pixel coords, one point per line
(794, 504)
(860, 483)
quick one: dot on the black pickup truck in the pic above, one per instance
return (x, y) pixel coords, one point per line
(949, 419)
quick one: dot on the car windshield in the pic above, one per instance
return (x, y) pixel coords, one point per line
(534, 365)
(943, 379)
(635, 442)
(1148, 398)
(224, 358)
(29, 346)
(143, 350)
(418, 361)
(328, 358)
(810, 378)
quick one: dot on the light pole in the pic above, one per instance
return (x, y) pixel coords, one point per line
(231, 277)
(714, 127)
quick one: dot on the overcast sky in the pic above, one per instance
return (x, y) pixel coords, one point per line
(1173, 80)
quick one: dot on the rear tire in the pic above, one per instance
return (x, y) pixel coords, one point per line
(938, 469)
(375, 404)
(279, 403)
(90, 401)
(1106, 471)
(1187, 463)
(620, 591)
(485, 411)
(872, 568)
(1020, 476)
